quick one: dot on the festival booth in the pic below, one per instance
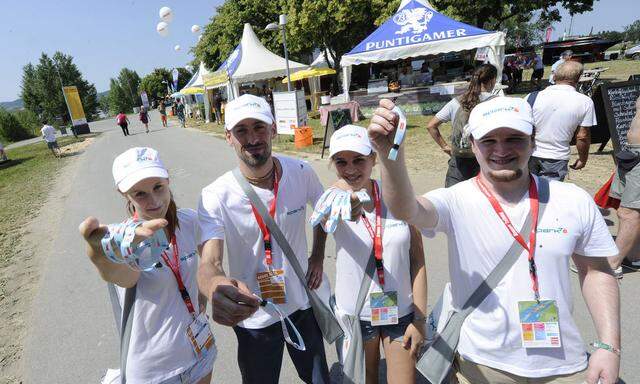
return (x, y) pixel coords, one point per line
(417, 31)
(193, 93)
(318, 69)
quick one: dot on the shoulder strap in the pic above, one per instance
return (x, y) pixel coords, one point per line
(435, 362)
(531, 99)
(366, 283)
(124, 323)
(326, 321)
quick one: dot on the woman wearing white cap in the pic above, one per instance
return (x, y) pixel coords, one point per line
(170, 340)
(393, 312)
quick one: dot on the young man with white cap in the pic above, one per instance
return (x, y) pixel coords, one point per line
(257, 265)
(400, 275)
(476, 215)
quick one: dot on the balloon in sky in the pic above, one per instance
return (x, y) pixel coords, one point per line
(177, 48)
(166, 14)
(163, 29)
(195, 28)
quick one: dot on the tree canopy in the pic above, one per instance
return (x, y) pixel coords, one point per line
(42, 91)
(153, 82)
(123, 91)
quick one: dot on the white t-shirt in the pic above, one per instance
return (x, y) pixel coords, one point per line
(49, 133)
(353, 250)
(225, 213)
(557, 112)
(537, 62)
(159, 347)
(478, 239)
(448, 112)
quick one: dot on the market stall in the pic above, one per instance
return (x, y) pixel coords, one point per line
(417, 30)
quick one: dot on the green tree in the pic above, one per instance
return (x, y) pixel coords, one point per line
(632, 32)
(123, 91)
(42, 92)
(612, 35)
(10, 127)
(103, 103)
(153, 83)
(28, 120)
(492, 14)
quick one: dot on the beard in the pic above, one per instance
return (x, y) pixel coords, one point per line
(505, 175)
(255, 160)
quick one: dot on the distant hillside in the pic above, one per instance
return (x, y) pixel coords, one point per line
(9, 105)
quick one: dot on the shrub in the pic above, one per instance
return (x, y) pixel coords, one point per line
(29, 121)
(10, 127)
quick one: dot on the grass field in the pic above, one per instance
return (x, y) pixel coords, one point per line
(24, 183)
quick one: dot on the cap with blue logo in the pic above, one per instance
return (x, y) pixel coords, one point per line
(136, 164)
(500, 112)
(247, 107)
(350, 138)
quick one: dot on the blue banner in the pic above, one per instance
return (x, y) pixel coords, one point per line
(233, 61)
(415, 24)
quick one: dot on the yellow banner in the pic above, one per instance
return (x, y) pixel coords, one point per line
(216, 78)
(72, 97)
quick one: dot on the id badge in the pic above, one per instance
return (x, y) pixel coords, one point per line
(384, 308)
(272, 287)
(199, 335)
(539, 324)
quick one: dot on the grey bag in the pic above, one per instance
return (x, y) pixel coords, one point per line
(326, 321)
(436, 362)
(354, 365)
(124, 322)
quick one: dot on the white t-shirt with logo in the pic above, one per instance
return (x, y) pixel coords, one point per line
(448, 112)
(159, 347)
(49, 133)
(353, 250)
(557, 112)
(478, 240)
(225, 213)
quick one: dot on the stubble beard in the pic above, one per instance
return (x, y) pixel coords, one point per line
(255, 161)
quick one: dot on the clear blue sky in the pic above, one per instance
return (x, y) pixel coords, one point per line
(105, 35)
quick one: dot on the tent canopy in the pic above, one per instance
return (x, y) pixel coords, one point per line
(416, 29)
(251, 61)
(311, 72)
(196, 83)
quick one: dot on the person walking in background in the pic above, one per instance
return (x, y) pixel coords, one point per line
(217, 104)
(123, 121)
(538, 71)
(162, 108)
(180, 113)
(462, 164)
(144, 117)
(49, 136)
(558, 112)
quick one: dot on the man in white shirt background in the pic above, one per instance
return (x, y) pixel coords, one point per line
(564, 56)
(493, 346)
(49, 136)
(558, 112)
(538, 71)
(257, 264)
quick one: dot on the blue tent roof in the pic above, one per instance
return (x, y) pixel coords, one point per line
(415, 24)
(232, 62)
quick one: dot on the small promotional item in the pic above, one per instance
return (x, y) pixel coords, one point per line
(118, 246)
(539, 324)
(283, 323)
(272, 286)
(198, 332)
(335, 204)
(384, 308)
(400, 132)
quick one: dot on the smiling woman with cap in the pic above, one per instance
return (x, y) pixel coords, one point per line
(153, 256)
(393, 311)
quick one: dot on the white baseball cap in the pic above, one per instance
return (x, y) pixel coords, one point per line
(137, 164)
(500, 112)
(247, 107)
(350, 138)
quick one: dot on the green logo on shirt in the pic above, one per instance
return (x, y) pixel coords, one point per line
(558, 230)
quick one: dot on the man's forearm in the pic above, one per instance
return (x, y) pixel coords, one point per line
(319, 241)
(601, 294)
(583, 143)
(210, 268)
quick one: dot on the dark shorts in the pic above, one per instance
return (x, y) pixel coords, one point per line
(461, 169)
(549, 168)
(395, 331)
(537, 73)
(53, 144)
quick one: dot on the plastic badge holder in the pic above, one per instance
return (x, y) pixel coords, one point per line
(118, 246)
(400, 132)
(335, 204)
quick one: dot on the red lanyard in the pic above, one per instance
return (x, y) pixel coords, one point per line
(175, 268)
(377, 235)
(534, 206)
(266, 235)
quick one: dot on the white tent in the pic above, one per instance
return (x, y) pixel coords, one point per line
(415, 30)
(251, 61)
(196, 83)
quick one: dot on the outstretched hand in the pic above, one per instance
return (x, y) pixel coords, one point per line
(93, 232)
(382, 126)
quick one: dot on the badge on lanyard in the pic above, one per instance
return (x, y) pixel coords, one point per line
(384, 308)
(539, 324)
(199, 334)
(272, 286)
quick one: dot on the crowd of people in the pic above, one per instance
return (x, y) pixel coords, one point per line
(503, 192)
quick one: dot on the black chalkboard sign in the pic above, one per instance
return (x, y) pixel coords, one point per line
(615, 107)
(337, 119)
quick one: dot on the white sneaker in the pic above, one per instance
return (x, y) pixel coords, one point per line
(618, 273)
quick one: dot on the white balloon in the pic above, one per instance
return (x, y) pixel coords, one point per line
(195, 28)
(177, 48)
(166, 14)
(163, 29)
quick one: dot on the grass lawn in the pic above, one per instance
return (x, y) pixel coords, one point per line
(24, 184)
